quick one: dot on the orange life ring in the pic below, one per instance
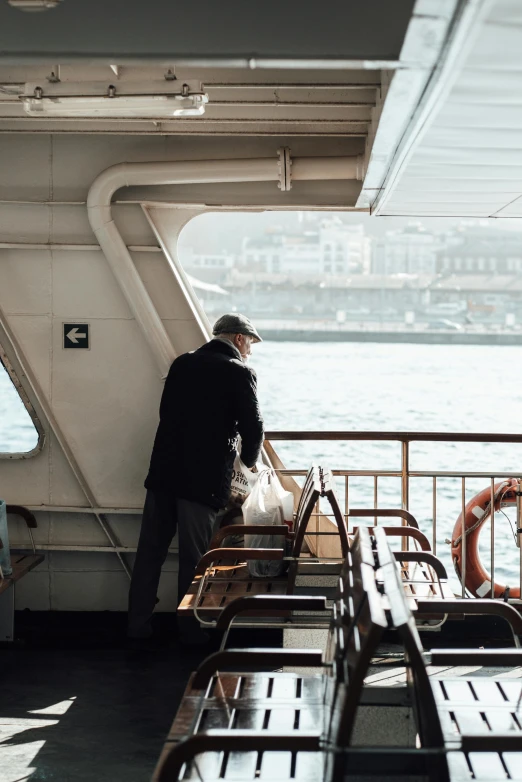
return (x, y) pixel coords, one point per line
(477, 511)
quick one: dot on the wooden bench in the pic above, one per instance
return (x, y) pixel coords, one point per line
(21, 564)
(425, 579)
(427, 590)
(286, 726)
(474, 722)
(274, 725)
(423, 575)
(222, 574)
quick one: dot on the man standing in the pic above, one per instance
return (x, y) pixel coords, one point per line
(209, 399)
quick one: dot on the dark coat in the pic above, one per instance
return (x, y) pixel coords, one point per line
(209, 398)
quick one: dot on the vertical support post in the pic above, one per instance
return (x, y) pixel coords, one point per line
(405, 486)
(492, 533)
(7, 616)
(375, 496)
(463, 532)
(317, 532)
(405, 474)
(434, 529)
(346, 501)
(519, 529)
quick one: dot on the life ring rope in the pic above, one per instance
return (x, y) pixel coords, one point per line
(486, 514)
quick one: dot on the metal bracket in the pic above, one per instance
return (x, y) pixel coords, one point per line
(285, 169)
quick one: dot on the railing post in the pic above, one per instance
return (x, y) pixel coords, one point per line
(434, 513)
(375, 496)
(519, 528)
(463, 533)
(405, 474)
(493, 536)
(346, 502)
(405, 486)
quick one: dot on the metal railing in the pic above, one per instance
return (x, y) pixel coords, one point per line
(405, 475)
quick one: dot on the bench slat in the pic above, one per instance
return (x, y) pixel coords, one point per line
(512, 763)
(487, 766)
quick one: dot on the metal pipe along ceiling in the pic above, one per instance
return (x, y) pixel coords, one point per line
(179, 173)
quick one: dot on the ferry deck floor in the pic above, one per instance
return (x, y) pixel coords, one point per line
(77, 704)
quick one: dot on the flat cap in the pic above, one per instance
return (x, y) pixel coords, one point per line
(234, 323)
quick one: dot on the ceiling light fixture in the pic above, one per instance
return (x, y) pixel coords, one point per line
(34, 5)
(126, 101)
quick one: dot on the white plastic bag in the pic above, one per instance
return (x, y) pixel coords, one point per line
(267, 503)
(243, 479)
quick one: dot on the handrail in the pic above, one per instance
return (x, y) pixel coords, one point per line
(268, 603)
(244, 659)
(29, 518)
(402, 437)
(231, 530)
(404, 532)
(236, 555)
(383, 513)
(425, 557)
(496, 608)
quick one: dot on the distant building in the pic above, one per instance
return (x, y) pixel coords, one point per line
(209, 260)
(480, 249)
(331, 248)
(210, 267)
(412, 250)
(262, 293)
(344, 248)
(479, 291)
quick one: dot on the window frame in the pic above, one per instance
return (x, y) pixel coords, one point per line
(6, 364)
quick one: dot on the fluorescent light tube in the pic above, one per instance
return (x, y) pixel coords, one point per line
(136, 106)
(33, 5)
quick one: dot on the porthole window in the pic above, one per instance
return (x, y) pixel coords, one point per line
(20, 431)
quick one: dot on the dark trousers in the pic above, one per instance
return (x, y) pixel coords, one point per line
(163, 514)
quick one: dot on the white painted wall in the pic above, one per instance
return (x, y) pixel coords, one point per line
(104, 400)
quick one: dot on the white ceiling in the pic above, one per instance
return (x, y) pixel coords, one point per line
(464, 156)
(242, 101)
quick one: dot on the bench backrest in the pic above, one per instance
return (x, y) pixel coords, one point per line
(358, 623)
(328, 491)
(319, 483)
(307, 502)
(403, 621)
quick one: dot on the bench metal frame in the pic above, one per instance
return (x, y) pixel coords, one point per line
(22, 564)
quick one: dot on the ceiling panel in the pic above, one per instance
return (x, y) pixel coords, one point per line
(231, 30)
(467, 158)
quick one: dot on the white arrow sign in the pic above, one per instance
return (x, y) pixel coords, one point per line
(74, 336)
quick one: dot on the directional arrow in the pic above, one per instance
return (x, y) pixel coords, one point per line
(74, 336)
